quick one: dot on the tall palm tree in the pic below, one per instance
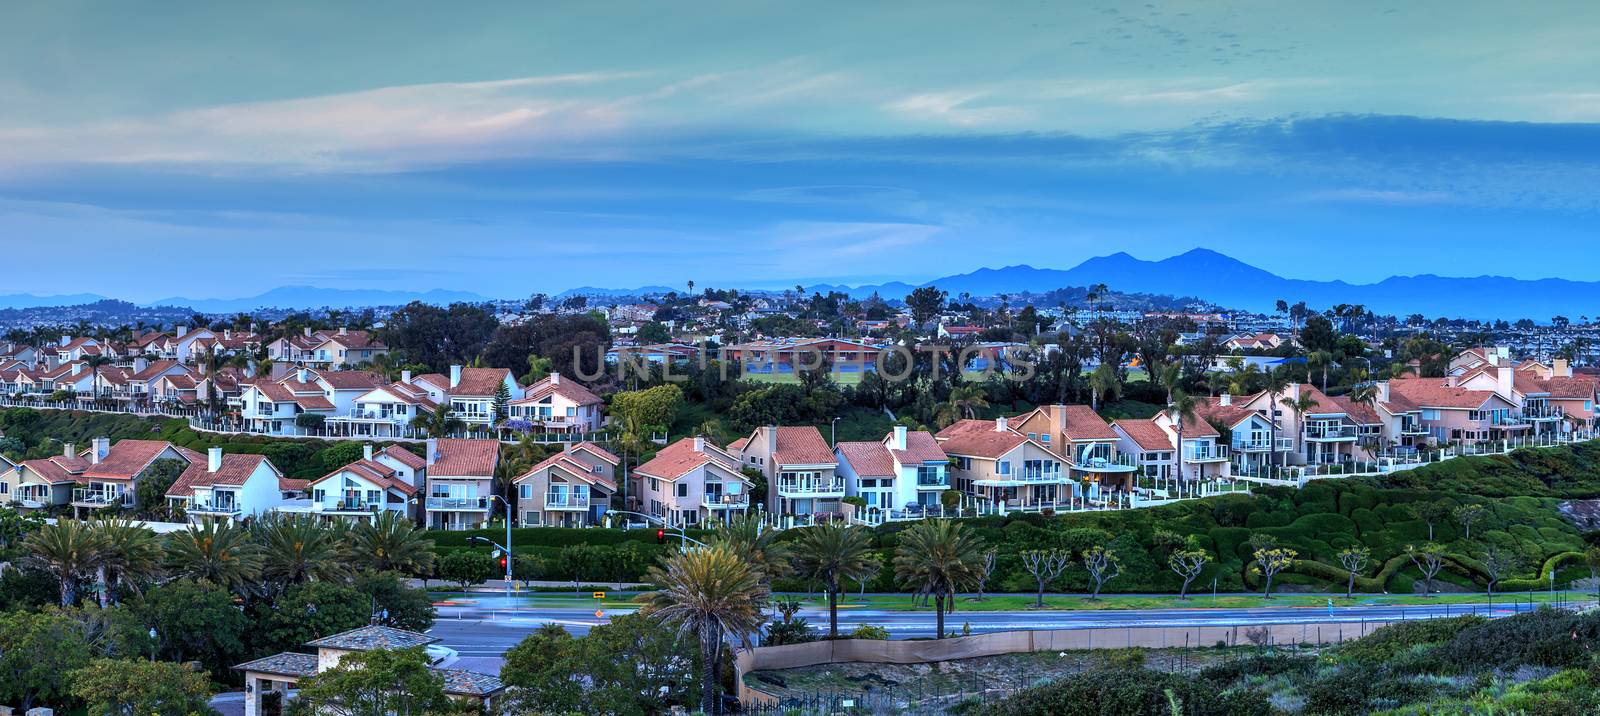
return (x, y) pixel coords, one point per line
(295, 549)
(1182, 406)
(220, 553)
(68, 549)
(833, 555)
(1300, 403)
(129, 553)
(95, 362)
(939, 558)
(390, 542)
(749, 536)
(1277, 383)
(1103, 382)
(713, 593)
(1167, 376)
(1320, 359)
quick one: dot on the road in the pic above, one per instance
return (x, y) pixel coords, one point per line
(483, 630)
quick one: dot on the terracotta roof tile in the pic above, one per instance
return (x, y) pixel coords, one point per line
(921, 447)
(235, 470)
(1434, 393)
(465, 458)
(680, 458)
(867, 459)
(978, 438)
(802, 445)
(1146, 434)
(127, 459)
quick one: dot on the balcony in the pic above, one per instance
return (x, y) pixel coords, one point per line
(91, 497)
(347, 505)
(1413, 427)
(1508, 419)
(1542, 413)
(725, 501)
(1330, 433)
(820, 487)
(563, 501)
(1262, 443)
(1026, 476)
(459, 504)
(939, 481)
(1099, 462)
(369, 416)
(1205, 453)
(213, 508)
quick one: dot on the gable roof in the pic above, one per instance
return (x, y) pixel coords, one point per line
(801, 445)
(572, 465)
(867, 459)
(559, 385)
(680, 458)
(1211, 409)
(127, 459)
(479, 382)
(372, 637)
(1436, 393)
(1146, 434)
(1083, 423)
(404, 457)
(978, 438)
(598, 452)
(374, 472)
(235, 470)
(462, 457)
(921, 447)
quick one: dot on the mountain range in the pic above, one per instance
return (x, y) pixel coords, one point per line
(1202, 273)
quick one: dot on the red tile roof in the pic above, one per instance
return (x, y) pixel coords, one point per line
(479, 382)
(126, 459)
(563, 386)
(598, 451)
(1146, 434)
(235, 470)
(572, 466)
(405, 457)
(801, 445)
(978, 438)
(58, 469)
(921, 447)
(1212, 410)
(465, 458)
(1435, 393)
(867, 459)
(350, 379)
(375, 472)
(1082, 423)
(680, 458)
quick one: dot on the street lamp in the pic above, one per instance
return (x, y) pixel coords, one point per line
(153, 643)
(506, 548)
(833, 432)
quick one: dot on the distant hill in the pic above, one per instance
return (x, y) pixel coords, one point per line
(1230, 282)
(28, 300)
(614, 292)
(312, 297)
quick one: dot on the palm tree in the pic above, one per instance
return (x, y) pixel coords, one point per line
(1182, 406)
(713, 593)
(1103, 382)
(833, 554)
(965, 402)
(749, 536)
(68, 549)
(95, 362)
(440, 423)
(129, 553)
(1302, 403)
(1322, 359)
(390, 542)
(939, 558)
(295, 549)
(220, 553)
(1277, 382)
(1167, 376)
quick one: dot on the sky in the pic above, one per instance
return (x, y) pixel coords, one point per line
(509, 148)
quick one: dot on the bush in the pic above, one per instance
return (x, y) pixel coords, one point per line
(1543, 637)
(1129, 692)
(870, 631)
(1385, 643)
(467, 568)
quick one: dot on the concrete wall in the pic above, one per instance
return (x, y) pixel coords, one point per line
(767, 658)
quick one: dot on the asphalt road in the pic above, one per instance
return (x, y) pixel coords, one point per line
(482, 631)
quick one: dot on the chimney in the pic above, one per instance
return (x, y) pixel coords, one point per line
(182, 330)
(68, 449)
(455, 375)
(366, 452)
(306, 331)
(772, 442)
(77, 367)
(1504, 375)
(1000, 424)
(1560, 368)
(214, 459)
(1225, 399)
(433, 451)
(227, 334)
(303, 375)
(699, 444)
(1383, 391)
(99, 448)
(344, 331)
(139, 364)
(63, 341)
(555, 379)
(405, 376)
(899, 437)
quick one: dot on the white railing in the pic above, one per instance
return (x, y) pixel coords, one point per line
(1205, 452)
(458, 503)
(1261, 444)
(811, 487)
(94, 496)
(1120, 462)
(213, 508)
(1330, 432)
(566, 500)
(726, 500)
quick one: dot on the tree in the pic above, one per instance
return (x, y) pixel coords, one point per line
(194, 620)
(390, 542)
(1277, 383)
(1318, 334)
(37, 650)
(652, 409)
(500, 409)
(395, 604)
(394, 682)
(1498, 563)
(653, 332)
(1354, 560)
(305, 612)
(1429, 559)
(633, 664)
(1103, 565)
(1270, 560)
(830, 555)
(1187, 564)
(466, 568)
(1104, 383)
(150, 491)
(441, 336)
(537, 673)
(925, 303)
(965, 402)
(1182, 407)
(986, 570)
(710, 593)
(938, 558)
(220, 553)
(129, 553)
(1431, 513)
(441, 422)
(1467, 515)
(69, 550)
(133, 686)
(749, 536)
(1046, 565)
(295, 549)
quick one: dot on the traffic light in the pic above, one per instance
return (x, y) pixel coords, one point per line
(661, 536)
(502, 562)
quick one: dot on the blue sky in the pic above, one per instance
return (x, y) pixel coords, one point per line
(509, 148)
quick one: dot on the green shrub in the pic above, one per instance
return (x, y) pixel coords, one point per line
(1129, 692)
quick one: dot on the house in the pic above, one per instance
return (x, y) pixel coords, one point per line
(470, 392)
(135, 384)
(1203, 455)
(1255, 444)
(1253, 341)
(227, 343)
(904, 473)
(385, 411)
(231, 487)
(363, 489)
(801, 470)
(557, 405)
(281, 673)
(1550, 399)
(460, 482)
(1084, 440)
(691, 482)
(110, 474)
(954, 332)
(1453, 413)
(75, 377)
(1569, 394)
(274, 406)
(998, 464)
(46, 482)
(334, 349)
(791, 354)
(1328, 431)
(572, 488)
(20, 352)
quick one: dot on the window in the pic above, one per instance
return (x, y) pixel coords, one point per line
(1045, 438)
(1033, 436)
(4, 488)
(683, 489)
(1430, 414)
(1002, 467)
(525, 491)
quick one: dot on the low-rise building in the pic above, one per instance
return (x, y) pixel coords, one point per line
(572, 488)
(691, 482)
(460, 483)
(903, 474)
(231, 487)
(801, 470)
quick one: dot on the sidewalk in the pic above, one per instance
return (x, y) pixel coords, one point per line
(495, 586)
